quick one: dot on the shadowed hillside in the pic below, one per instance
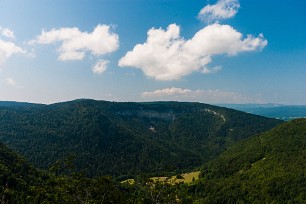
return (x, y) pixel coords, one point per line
(125, 139)
(266, 168)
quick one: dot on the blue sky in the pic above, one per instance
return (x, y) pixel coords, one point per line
(226, 51)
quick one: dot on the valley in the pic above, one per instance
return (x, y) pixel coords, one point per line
(116, 139)
(152, 102)
(278, 111)
(88, 151)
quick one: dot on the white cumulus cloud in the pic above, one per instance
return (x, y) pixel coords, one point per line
(205, 96)
(223, 9)
(75, 44)
(100, 66)
(167, 56)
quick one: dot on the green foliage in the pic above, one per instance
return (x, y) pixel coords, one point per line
(15, 176)
(146, 190)
(266, 168)
(76, 188)
(22, 183)
(125, 139)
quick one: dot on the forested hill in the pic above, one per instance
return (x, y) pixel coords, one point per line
(263, 168)
(20, 182)
(125, 139)
(16, 176)
(266, 168)
(18, 104)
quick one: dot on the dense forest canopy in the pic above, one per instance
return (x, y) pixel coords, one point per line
(263, 168)
(126, 139)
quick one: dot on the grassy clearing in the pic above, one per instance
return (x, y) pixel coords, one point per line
(186, 178)
(129, 181)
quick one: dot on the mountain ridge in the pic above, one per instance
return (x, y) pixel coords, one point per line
(126, 138)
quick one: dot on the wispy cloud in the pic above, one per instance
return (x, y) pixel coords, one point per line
(10, 81)
(173, 91)
(7, 49)
(205, 96)
(167, 56)
(6, 32)
(75, 44)
(100, 66)
(223, 9)
(215, 69)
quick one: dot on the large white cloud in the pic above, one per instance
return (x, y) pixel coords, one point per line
(167, 56)
(7, 49)
(206, 96)
(75, 44)
(221, 10)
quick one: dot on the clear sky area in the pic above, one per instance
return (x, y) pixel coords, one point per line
(226, 51)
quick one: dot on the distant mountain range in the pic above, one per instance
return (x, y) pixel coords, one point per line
(270, 110)
(125, 139)
(279, 111)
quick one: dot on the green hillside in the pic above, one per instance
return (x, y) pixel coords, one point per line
(126, 139)
(16, 176)
(22, 183)
(266, 168)
(16, 104)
